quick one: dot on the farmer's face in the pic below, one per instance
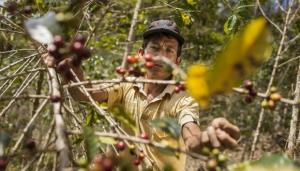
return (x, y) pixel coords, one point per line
(162, 46)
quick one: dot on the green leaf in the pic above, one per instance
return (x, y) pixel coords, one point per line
(229, 24)
(123, 117)
(267, 163)
(90, 142)
(268, 160)
(168, 125)
(89, 118)
(107, 140)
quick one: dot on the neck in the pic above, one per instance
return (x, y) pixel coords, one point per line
(154, 89)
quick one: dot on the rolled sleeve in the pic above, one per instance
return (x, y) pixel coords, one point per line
(187, 111)
(114, 94)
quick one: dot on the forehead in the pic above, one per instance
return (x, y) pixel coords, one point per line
(168, 40)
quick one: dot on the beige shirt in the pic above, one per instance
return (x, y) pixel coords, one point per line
(178, 105)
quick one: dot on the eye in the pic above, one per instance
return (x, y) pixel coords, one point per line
(170, 50)
(156, 48)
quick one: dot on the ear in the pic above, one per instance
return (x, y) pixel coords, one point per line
(178, 60)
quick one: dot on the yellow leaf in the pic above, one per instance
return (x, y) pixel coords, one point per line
(191, 2)
(197, 84)
(186, 18)
(243, 55)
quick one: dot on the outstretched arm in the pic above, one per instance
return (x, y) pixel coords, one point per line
(63, 67)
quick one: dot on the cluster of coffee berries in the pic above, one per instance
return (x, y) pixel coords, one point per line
(248, 85)
(140, 155)
(76, 50)
(12, 8)
(134, 67)
(137, 67)
(102, 162)
(71, 53)
(216, 160)
(179, 87)
(272, 98)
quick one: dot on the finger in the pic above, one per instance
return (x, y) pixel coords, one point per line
(225, 139)
(204, 138)
(213, 137)
(63, 66)
(225, 125)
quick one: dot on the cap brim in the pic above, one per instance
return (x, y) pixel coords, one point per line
(163, 30)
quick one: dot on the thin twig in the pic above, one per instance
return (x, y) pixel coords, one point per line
(12, 31)
(130, 39)
(25, 130)
(264, 14)
(294, 120)
(16, 62)
(18, 92)
(22, 73)
(264, 95)
(142, 141)
(47, 139)
(120, 80)
(262, 112)
(33, 96)
(20, 69)
(16, 50)
(62, 140)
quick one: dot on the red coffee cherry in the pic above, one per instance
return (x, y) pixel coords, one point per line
(121, 145)
(3, 163)
(144, 136)
(77, 47)
(120, 70)
(79, 38)
(141, 156)
(248, 85)
(132, 59)
(107, 164)
(177, 89)
(58, 41)
(11, 6)
(136, 162)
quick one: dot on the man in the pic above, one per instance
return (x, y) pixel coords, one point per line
(150, 101)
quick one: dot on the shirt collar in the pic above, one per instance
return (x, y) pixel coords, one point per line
(169, 89)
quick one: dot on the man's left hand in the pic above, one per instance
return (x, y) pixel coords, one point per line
(220, 134)
(227, 133)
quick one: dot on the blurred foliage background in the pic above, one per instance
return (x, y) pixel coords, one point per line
(206, 26)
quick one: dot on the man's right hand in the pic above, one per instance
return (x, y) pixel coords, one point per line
(63, 66)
